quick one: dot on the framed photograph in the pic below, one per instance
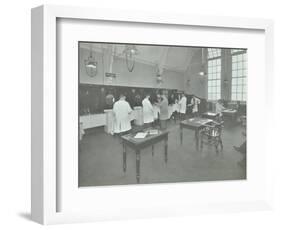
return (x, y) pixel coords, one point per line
(137, 115)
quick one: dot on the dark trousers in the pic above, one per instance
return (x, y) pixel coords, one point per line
(163, 124)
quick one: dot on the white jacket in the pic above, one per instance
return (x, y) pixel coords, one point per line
(182, 104)
(122, 110)
(148, 115)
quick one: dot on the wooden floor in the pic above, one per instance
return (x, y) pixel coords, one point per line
(100, 159)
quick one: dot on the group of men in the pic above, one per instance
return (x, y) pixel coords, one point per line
(160, 109)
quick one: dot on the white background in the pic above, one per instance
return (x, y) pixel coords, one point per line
(15, 114)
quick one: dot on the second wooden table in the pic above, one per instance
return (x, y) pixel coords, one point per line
(138, 144)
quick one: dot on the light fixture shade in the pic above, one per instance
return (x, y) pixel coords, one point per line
(130, 51)
(202, 73)
(159, 72)
(91, 64)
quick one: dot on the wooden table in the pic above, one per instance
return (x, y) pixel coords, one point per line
(138, 144)
(210, 115)
(232, 113)
(193, 124)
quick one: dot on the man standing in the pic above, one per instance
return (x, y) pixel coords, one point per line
(164, 114)
(122, 111)
(195, 105)
(182, 105)
(219, 109)
(148, 112)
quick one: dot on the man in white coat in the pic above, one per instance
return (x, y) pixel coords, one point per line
(195, 105)
(122, 111)
(148, 112)
(182, 106)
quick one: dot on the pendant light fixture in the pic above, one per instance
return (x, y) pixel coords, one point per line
(130, 51)
(202, 71)
(91, 65)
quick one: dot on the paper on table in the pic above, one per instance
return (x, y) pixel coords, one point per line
(153, 132)
(140, 135)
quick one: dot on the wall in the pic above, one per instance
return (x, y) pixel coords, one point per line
(193, 83)
(143, 75)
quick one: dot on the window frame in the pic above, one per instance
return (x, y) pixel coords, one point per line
(239, 80)
(217, 79)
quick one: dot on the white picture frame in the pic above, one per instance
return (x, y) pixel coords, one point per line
(45, 180)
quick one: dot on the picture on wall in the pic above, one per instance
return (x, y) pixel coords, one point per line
(161, 114)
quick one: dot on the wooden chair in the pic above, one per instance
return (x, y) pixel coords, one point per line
(211, 135)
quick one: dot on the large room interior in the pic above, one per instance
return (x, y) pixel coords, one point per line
(200, 137)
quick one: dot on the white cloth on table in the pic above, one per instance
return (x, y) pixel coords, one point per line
(122, 122)
(182, 105)
(148, 112)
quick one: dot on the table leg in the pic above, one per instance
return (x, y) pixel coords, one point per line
(197, 138)
(181, 135)
(152, 150)
(124, 158)
(166, 150)
(138, 165)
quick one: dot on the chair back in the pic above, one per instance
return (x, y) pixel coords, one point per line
(213, 129)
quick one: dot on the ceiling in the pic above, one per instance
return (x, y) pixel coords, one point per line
(167, 57)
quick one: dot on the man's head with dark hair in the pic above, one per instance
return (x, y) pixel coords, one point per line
(147, 94)
(122, 96)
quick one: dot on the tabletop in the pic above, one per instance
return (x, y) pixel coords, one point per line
(150, 135)
(195, 122)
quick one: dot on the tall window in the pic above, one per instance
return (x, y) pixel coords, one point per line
(239, 75)
(214, 74)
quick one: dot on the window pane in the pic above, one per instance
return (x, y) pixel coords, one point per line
(214, 73)
(240, 81)
(240, 65)
(239, 97)
(218, 68)
(239, 74)
(218, 76)
(239, 88)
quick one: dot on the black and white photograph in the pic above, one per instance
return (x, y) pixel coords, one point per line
(161, 113)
